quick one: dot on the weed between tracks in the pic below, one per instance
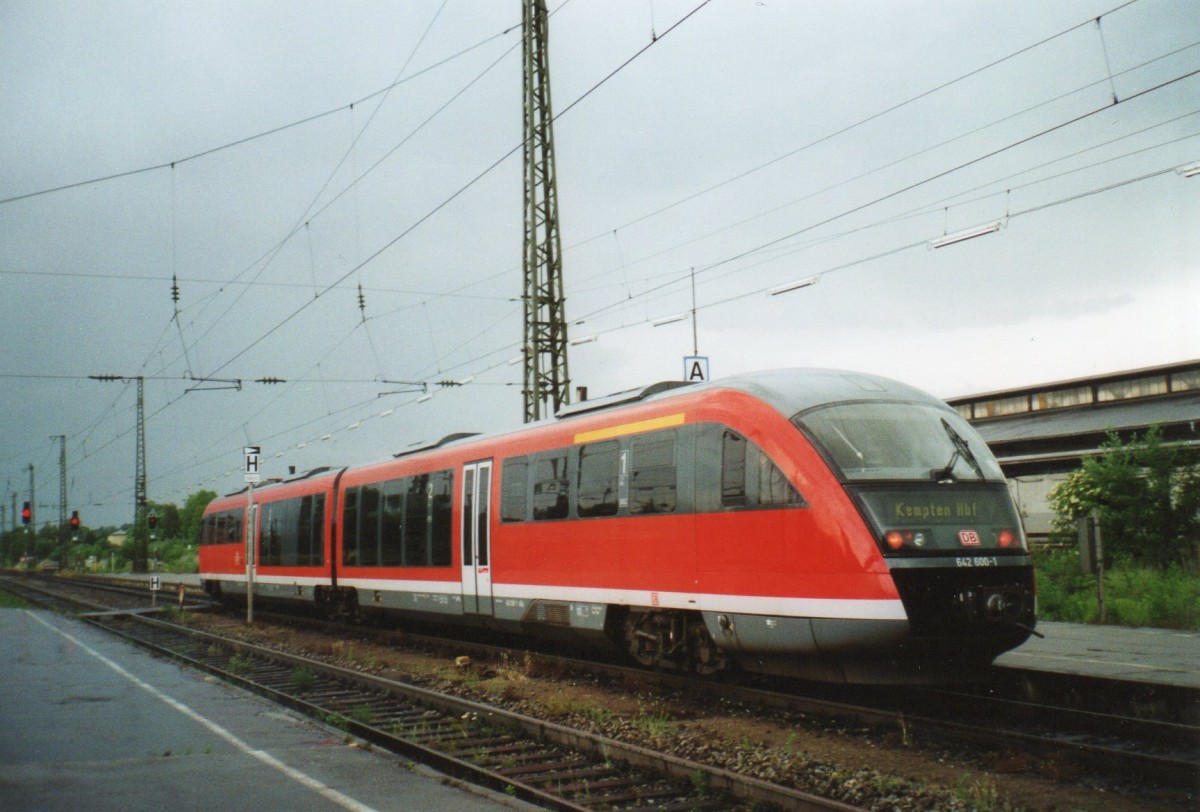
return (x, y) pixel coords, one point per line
(303, 680)
(881, 769)
(239, 664)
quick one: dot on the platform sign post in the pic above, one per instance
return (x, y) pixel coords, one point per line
(695, 368)
(251, 452)
(1091, 555)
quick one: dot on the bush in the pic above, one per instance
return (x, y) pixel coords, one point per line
(1133, 595)
(1147, 495)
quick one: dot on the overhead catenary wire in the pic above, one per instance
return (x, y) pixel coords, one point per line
(205, 153)
(478, 363)
(450, 368)
(864, 121)
(457, 193)
(709, 232)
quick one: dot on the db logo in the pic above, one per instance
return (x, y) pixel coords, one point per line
(968, 538)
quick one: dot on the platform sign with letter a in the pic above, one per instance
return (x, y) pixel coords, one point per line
(695, 368)
(251, 452)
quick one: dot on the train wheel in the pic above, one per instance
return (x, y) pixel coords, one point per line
(707, 659)
(675, 640)
(643, 636)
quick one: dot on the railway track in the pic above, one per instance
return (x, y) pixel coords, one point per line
(546, 764)
(1146, 752)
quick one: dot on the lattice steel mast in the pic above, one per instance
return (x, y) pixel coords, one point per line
(547, 384)
(62, 500)
(141, 546)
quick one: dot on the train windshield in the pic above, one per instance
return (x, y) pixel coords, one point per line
(878, 441)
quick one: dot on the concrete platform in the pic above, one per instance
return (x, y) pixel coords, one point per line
(1152, 656)
(90, 722)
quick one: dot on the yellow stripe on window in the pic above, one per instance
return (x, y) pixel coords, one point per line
(630, 428)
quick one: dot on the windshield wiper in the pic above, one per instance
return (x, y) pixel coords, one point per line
(961, 451)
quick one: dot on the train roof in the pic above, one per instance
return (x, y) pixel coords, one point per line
(789, 391)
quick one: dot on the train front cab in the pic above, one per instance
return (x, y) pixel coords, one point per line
(937, 504)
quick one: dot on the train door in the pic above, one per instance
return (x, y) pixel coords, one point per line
(476, 523)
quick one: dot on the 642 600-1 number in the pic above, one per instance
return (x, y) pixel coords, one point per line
(977, 561)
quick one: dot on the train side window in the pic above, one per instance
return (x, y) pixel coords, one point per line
(750, 479)
(652, 484)
(733, 470)
(350, 527)
(304, 532)
(369, 504)
(468, 513)
(391, 527)
(221, 529)
(310, 550)
(270, 543)
(482, 508)
(773, 486)
(441, 492)
(235, 523)
(551, 487)
(514, 490)
(416, 520)
(597, 493)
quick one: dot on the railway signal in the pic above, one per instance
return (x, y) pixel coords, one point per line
(74, 519)
(26, 513)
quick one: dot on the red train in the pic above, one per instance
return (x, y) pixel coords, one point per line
(814, 523)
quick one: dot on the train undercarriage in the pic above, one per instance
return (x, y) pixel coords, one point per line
(676, 640)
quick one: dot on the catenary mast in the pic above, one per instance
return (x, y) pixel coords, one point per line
(547, 383)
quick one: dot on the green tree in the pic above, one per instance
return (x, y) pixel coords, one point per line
(1146, 496)
(191, 513)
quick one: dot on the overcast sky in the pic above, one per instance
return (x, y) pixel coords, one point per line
(752, 143)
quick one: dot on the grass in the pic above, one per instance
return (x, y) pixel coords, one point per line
(11, 601)
(981, 794)
(239, 664)
(303, 679)
(655, 725)
(1133, 595)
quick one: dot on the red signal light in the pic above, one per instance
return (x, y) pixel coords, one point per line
(152, 519)
(74, 519)
(26, 514)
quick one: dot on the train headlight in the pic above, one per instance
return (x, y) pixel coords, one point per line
(899, 539)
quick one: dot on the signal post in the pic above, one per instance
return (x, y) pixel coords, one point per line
(251, 453)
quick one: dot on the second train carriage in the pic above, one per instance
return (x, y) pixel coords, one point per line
(817, 523)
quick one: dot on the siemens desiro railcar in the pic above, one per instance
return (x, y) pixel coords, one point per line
(815, 523)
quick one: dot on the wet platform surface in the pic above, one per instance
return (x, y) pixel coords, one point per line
(1155, 656)
(91, 722)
